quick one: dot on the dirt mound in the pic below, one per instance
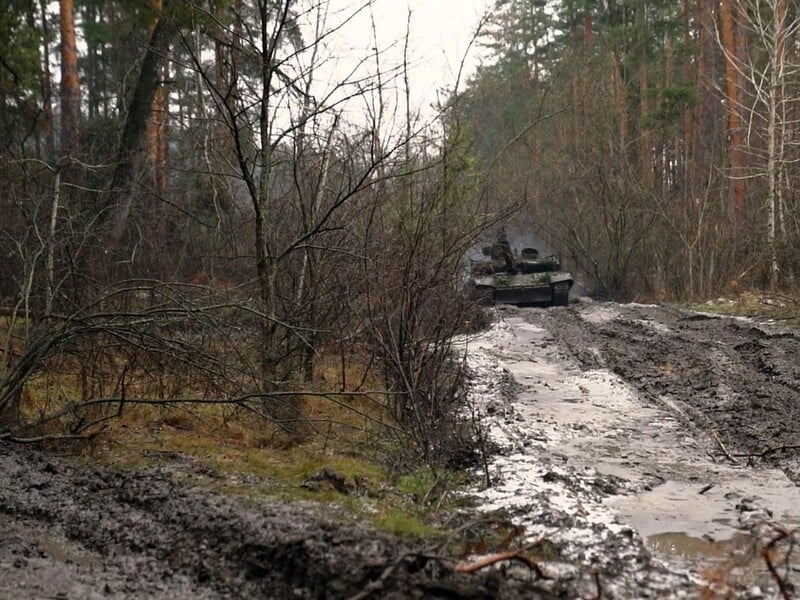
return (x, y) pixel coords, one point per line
(73, 532)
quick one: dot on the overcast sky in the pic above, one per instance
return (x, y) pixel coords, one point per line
(440, 35)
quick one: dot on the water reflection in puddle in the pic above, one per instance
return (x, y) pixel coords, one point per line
(698, 548)
(700, 525)
(737, 560)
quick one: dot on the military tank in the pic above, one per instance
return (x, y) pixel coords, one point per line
(525, 278)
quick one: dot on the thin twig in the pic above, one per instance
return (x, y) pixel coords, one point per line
(722, 447)
(769, 451)
(767, 554)
(491, 520)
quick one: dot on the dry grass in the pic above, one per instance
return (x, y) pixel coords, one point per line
(251, 459)
(342, 433)
(783, 307)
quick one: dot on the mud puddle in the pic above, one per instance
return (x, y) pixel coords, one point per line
(587, 441)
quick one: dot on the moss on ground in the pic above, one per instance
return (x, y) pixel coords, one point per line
(406, 504)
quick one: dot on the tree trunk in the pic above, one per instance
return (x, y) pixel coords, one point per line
(707, 111)
(139, 113)
(733, 94)
(688, 122)
(47, 86)
(93, 85)
(70, 86)
(775, 141)
(645, 142)
(156, 130)
(620, 100)
(274, 330)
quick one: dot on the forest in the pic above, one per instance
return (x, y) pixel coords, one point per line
(652, 140)
(196, 212)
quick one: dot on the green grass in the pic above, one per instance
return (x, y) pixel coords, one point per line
(406, 505)
(255, 460)
(403, 523)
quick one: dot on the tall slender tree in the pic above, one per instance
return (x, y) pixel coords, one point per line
(733, 93)
(70, 82)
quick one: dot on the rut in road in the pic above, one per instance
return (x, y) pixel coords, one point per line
(736, 377)
(616, 426)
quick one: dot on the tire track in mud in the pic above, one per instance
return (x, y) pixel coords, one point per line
(733, 377)
(641, 394)
(544, 477)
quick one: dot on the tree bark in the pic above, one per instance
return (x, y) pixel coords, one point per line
(156, 129)
(707, 111)
(645, 141)
(70, 86)
(688, 117)
(620, 100)
(140, 111)
(47, 86)
(733, 96)
(775, 140)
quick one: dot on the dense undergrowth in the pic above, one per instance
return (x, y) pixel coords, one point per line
(345, 448)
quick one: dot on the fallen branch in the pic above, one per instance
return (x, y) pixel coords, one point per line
(769, 451)
(493, 559)
(767, 554)
(705, 488)
(10, 437)
(490, 520)
(722, 447)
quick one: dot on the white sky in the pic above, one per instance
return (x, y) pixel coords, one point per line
(441, 31)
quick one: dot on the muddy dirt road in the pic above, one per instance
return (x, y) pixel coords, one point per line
(646, 451)
(655, 445)
(735, 379)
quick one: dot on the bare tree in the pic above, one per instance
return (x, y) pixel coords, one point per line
(766, 107)
(347, 227)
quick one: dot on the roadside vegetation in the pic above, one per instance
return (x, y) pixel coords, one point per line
(219, 242)
(776, 307)
(225, 453)
(343, 449)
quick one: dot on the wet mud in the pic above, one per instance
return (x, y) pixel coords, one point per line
(645, 451)
(669, 431)
(68, 532)
(734, 380)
